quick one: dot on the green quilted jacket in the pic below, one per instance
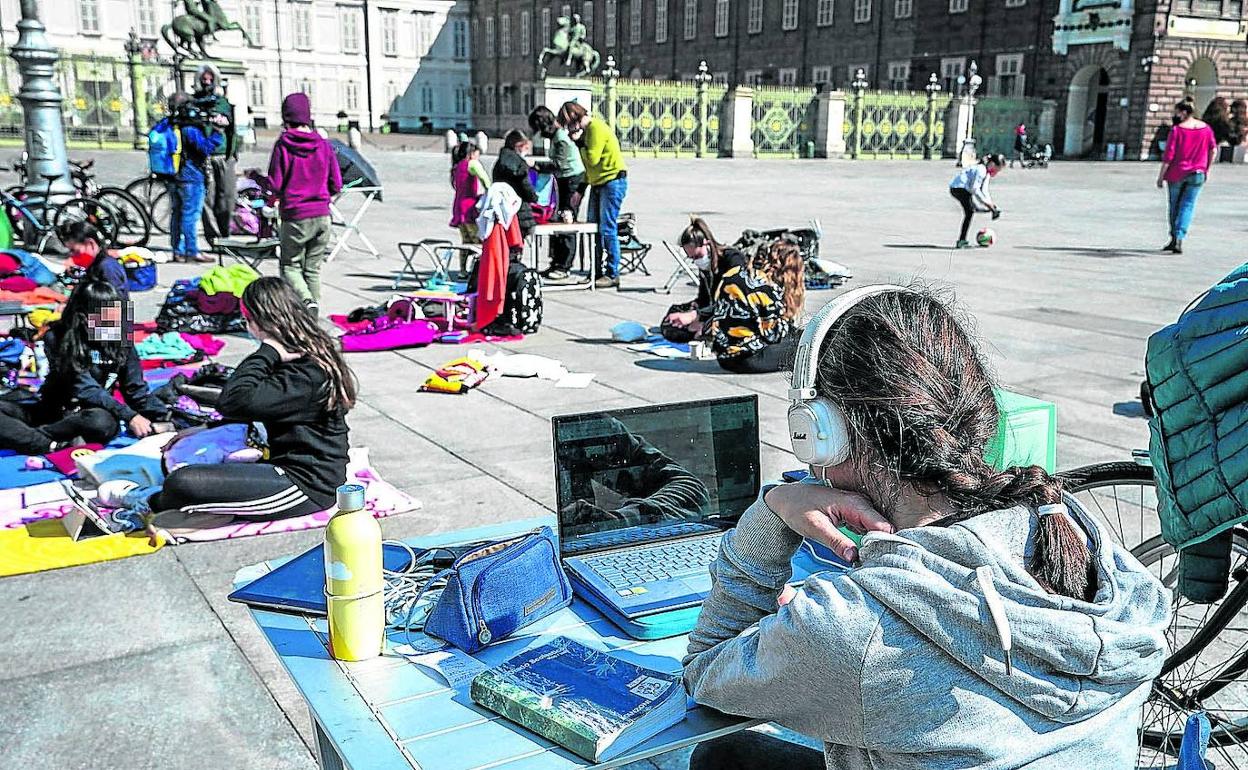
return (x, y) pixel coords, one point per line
(1198, 370)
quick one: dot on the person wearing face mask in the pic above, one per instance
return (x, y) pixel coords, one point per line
(90, 356)
(1190, 151)
(970, 189)
(985, 620)
(685, 321)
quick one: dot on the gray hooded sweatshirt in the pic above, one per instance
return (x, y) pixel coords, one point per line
(898, 663)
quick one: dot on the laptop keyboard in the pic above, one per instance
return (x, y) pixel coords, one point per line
(630, 535)
(635, 566)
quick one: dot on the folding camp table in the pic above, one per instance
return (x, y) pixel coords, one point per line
(587, 245)
(439, 252)
(683, 267)
(351, 227)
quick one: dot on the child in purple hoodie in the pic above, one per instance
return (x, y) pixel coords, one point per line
(305, 173)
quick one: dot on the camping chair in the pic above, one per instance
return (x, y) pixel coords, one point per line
(632, 251)
(251, 251)
(683, 267)
(438, 251)
(351, 227)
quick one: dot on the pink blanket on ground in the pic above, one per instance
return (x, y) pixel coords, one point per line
(352, 326)
(19, 507)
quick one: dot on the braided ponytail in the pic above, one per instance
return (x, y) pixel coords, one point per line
(921, 409)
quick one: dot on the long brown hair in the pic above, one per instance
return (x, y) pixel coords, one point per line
(781, 264)
(274, 306)
(920, 406)
(698, 233)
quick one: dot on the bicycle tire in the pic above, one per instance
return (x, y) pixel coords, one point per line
(133, 226)
(145, 188)
(90, 210)
(160, 210)
(1085, 482)
(1174, 698)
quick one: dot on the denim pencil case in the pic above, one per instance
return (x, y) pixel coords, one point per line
(495, 590)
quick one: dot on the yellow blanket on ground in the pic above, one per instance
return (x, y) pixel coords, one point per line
(43, 545)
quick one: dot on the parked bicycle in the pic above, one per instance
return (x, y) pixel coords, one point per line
(132, 221)
(1208, 642)
(153, 193)
(36, 223)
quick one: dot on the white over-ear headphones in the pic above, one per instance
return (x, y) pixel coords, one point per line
(817, 427)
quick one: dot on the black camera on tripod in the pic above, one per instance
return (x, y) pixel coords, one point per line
(191, 114)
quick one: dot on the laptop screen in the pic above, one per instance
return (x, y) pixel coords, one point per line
(656, 465)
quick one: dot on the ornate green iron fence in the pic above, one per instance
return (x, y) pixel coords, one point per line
(661, 117)
(894, 125)
(783, 122)
(996, 118)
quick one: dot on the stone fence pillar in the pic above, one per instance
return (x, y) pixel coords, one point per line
(736, 139)
(830, 124)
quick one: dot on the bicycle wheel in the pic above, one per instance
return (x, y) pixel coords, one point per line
(133, 225)
(1204, 671)
(1122, 495)
(161, 209)
(89, 210)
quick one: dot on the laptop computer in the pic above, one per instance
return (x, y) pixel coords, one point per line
(645, 494)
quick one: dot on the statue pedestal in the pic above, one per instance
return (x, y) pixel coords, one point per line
(233, 81)
(554, 91)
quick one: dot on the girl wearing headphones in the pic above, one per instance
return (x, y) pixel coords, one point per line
(713, 259)
(986, 620)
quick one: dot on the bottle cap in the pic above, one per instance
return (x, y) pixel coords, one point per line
(350, 497)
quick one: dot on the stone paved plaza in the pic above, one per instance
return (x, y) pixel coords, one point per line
(142, 663)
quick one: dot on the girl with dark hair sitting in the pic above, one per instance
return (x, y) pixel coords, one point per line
(753, 323)
(713, 260)
(89, 356)
(298, 386)
(985, 621)
(84, 238)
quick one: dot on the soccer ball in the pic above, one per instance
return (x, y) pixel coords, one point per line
(986, 237)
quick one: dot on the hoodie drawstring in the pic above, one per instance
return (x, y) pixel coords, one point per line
(996, 608)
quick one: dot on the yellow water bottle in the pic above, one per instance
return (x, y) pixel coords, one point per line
(353, 579)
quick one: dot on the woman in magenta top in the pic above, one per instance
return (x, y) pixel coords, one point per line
(469, 180)
(1190, 150)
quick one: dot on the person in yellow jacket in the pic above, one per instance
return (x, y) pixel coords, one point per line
(608, 181)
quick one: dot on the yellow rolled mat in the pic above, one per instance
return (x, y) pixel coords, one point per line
(43, 545)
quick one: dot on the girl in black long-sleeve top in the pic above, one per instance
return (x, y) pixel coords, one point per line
(299, 387)
(89, 356)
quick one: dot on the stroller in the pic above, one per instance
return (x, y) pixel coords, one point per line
(255, 212)
(1028, 154)
(821, 273)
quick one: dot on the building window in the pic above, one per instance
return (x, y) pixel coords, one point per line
(488, 107)
(823, 16)
(253, 21)
(567, 10)
(723, 12)
(351, 96)
(788, 76)
(350, 23)
(390, 32)
(958, 6)
(530, 100)
(504, 35)
(788, 19)
(660, 21)
(821, 75)
(426, 99)
(691, 19)
(545, 40)
(459, 37)
(587, 18)
(255, 92)
(461, 100)
(899, 75)
(489, 37)
(301, 22)
(306, 87)
(526, 33)
(608, 22)
(902, 9)
(753, 77)
(862, 11)
(145, 16)
(392, 95)
(1009, 78)
(634, 22)
(950, 71)
(89, 17)
(424, 33)
(754, 22)
(851, 73)
(1015, 3)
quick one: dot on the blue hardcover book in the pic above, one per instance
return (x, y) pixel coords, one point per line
(588, 701)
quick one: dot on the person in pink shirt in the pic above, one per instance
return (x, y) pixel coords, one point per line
(1190, 150)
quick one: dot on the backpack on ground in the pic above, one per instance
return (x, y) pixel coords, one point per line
(522, 307)
(164, 149)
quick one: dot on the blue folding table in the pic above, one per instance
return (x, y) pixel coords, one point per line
(390, 714)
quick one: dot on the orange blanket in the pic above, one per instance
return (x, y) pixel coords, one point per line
(492, 271)
(40, 296)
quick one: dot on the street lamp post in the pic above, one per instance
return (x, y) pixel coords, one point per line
(138, 94)
(973, 82)
(933, 93)
(609, 75)
(41, 106)
(860, 86)
(703, 79)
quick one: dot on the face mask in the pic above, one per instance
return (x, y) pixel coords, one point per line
(703, 264)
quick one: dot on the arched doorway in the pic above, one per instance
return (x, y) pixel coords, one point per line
(1202, 83)
(1087, 103)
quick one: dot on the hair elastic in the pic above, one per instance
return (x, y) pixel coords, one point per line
(1052, 508)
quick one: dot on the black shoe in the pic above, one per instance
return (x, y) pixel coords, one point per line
(1170, 246)
(1178, 247)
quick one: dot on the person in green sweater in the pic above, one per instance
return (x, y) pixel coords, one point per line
(570, 178)
(608, 181)
(221, 179)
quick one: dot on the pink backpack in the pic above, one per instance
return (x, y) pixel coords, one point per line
(401, 327)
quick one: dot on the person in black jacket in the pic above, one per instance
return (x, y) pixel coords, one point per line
(512, 169)
(299, 387)
(684, 322)
(89, 356)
